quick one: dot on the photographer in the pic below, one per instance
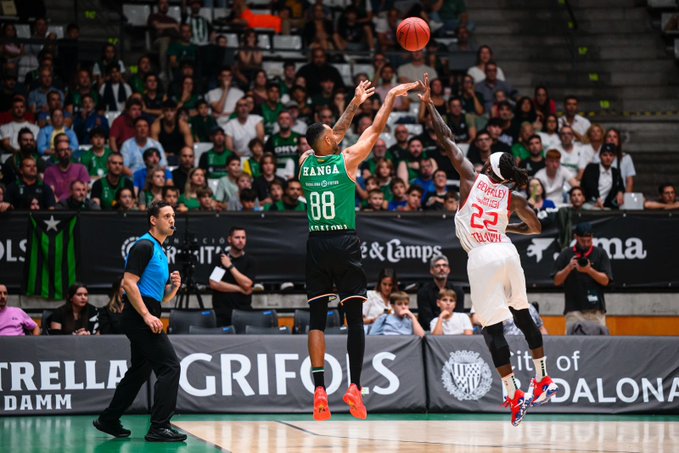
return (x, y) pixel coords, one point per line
(584, 271)
(232, 279)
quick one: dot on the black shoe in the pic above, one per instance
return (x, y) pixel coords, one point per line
(164, 435)
(113, 428)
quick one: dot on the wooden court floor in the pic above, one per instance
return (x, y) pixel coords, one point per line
(384, 433)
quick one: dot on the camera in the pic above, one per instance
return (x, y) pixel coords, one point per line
(582, 262)
(186, 254)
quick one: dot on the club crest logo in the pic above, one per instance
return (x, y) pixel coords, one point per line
(127, 245)
(466, 375)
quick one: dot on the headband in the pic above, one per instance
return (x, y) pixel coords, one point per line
(495, 165)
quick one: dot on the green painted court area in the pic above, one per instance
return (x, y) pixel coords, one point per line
(75, 434)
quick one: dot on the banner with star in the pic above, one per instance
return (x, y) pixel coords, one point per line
(51, 254)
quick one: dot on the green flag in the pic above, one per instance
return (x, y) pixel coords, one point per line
(51, 257)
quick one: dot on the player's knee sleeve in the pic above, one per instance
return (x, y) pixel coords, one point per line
(353, 311)
(525, 323)
(319, 314)
(497, 344)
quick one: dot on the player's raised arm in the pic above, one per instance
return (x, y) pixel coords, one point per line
(358, 152)
(362, 93)
(530, 224)
(446, 139)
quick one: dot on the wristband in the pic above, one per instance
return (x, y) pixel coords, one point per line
(230, 267)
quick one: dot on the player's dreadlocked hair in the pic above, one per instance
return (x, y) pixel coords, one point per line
(511, 172)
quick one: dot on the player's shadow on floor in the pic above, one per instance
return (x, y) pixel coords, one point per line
(138, 444)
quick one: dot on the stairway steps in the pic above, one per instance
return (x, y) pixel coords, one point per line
(545, 67)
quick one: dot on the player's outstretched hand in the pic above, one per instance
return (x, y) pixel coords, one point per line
(426, 96)
(364, 91)
(402, 89)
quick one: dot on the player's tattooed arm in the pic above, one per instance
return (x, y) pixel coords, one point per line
(362, 93)
(445, 136)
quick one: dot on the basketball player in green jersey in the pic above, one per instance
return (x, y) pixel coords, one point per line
(333, 257)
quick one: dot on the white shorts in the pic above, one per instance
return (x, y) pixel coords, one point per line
(496, 281)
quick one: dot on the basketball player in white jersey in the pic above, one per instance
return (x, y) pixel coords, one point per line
(496, 279)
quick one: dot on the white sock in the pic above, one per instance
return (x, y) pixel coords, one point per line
(509, 382)
(540, 368)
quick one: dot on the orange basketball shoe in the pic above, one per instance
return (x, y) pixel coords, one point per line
(354, 398)
(321, 409)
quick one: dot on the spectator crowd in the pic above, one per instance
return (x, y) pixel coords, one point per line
(201, 123)
(206, 125)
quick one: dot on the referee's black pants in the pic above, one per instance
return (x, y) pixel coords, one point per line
(150, 351)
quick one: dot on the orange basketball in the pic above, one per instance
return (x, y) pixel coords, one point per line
(413, 34)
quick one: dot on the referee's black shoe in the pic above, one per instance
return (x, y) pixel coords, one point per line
(113, 428)
(164, 435)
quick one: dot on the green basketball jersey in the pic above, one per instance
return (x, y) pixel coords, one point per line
(330, 193)
(96, 166)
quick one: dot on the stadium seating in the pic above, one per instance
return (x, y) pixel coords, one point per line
(258, 330)
(182, 320)
(198, 330)
(301, 318)
(45, 322)
(336, 330)
(242, 318)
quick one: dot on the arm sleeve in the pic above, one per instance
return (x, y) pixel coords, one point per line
(139, 257)
(468, 322)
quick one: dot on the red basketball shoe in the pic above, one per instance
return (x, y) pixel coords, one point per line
(542, 391)
(354, 398)
(518, 405)
(321, 409)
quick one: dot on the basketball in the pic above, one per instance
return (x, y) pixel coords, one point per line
(413, 34)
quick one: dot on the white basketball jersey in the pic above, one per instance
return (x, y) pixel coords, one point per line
(484, 216)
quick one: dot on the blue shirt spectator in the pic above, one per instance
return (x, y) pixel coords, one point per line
(47, 133)
(141, 175)
(83, 125)
(401, 321)
(133, 153)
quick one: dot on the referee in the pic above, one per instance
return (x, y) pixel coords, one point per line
(147, 282)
